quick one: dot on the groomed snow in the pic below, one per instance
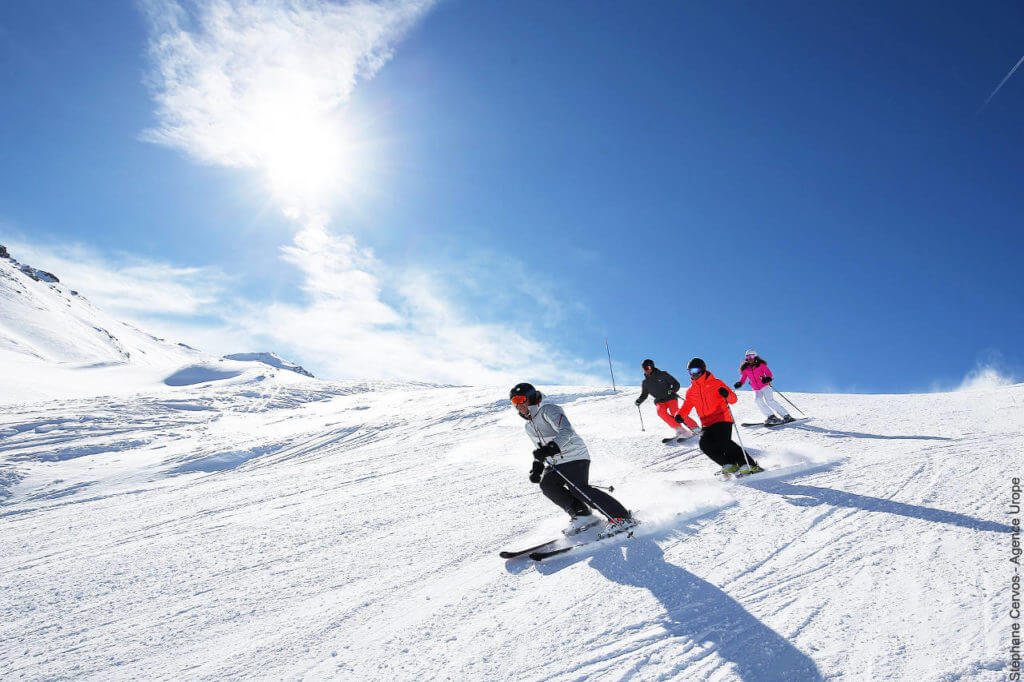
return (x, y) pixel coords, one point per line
(246, 528)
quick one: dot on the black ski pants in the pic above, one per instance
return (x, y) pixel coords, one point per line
(716, 442)
(561, 493)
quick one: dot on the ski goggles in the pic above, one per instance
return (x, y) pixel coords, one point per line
(518, 399)
(694, 371)
(751, 357)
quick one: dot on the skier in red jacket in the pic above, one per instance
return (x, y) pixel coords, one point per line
(711, 398)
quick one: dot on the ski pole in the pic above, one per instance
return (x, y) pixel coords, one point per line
(610, 488)
(739, 437)
(640, 412)
(788, 401)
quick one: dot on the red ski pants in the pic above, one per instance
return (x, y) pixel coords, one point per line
(667, 411)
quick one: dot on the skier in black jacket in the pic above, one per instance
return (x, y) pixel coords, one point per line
(664, 388)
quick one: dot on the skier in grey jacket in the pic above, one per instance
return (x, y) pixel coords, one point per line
(560, 446)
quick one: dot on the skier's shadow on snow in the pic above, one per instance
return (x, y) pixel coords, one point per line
(835, 433)
(811, 496)
(702, 613)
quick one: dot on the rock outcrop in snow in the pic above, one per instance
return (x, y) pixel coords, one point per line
(45, 320)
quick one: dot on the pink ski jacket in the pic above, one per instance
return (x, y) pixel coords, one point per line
(756, 373)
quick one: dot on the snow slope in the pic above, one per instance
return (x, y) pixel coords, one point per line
(350, 531)
(55, 343)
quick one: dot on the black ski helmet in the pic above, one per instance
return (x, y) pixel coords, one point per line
(647, 363)
(696, 362)
(524, 389)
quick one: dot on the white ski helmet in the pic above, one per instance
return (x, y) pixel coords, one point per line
(751, 351)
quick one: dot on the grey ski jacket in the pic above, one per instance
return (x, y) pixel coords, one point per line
(549, 423)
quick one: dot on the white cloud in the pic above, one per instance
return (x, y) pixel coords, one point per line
(126, 286)
(347, 330)
(263, 85)
(343, 330)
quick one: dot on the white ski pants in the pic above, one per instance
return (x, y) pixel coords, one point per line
(765, 399)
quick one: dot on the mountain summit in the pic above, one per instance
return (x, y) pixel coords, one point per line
(54, 342)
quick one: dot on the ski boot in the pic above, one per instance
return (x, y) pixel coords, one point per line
(619, 525)
(787, 419)
(748, 469)
(772, 421)
(728, 470)
(580, 523)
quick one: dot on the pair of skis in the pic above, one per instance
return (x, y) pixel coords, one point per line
(764, 474)
(722, 478)
(775, 426)
(546, 550)
(677, 439)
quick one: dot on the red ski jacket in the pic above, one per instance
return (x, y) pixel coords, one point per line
(703, 395)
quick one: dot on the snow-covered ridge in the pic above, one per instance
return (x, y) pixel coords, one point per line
(55, 343)
(42, 318)
(37, 275)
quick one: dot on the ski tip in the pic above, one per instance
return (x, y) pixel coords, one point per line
(541, 556)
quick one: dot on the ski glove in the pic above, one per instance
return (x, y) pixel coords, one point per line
(545, 451)
(638, 401)
(737, 385)
(724, 392)
(535, 472)
(766, 380)
(678, 418)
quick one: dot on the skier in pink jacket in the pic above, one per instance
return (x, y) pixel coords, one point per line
(756, 370)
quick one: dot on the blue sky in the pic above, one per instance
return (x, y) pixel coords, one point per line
(479, 192)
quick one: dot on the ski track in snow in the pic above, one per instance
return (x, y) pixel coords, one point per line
(335, 531)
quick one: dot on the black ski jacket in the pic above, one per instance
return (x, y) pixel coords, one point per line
(661, 386)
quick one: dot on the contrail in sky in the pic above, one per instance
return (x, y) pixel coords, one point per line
(1001, 83)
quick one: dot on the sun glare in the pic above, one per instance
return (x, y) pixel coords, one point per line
(305, 154)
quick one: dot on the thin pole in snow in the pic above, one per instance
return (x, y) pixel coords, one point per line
(610, 370)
